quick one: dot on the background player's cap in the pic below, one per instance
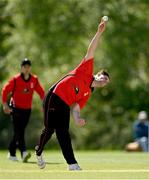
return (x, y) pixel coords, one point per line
(25, 61)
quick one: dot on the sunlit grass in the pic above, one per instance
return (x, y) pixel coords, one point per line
(95, 165)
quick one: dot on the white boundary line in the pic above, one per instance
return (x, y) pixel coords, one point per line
(82, 171)
(83, 179)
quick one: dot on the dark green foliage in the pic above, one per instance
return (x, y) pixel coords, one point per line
(5, 31)
(55, 35)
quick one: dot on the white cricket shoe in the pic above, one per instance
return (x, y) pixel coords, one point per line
(25, 156)
(40, 161)
(12, 158)
(74, 167)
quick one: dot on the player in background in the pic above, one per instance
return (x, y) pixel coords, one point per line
(21, 88)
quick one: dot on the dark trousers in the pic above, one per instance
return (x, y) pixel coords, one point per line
(56, 119)
(20, 118)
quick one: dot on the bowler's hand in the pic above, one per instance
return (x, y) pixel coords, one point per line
(80, 122)
(102, 26)
(7, 109)
(76, 115)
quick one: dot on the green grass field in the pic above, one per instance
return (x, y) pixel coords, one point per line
(95, 165)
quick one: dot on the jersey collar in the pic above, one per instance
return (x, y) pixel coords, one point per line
(26, 80)
(92, 88)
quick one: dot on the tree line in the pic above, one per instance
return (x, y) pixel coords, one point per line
(55, 36)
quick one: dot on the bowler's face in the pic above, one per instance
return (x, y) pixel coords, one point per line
(102, 80)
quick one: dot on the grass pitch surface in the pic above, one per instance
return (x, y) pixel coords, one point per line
(95, 164)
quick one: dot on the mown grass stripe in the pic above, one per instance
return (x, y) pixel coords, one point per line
(82, 171)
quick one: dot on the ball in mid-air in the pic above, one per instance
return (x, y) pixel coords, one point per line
(105, 18)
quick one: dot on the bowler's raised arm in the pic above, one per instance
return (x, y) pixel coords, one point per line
(94, 42)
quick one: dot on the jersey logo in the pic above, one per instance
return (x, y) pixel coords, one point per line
(76, 90)
(26, 90)
(85, 94)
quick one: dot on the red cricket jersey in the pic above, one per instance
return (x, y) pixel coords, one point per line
(22, 91)
(76, 89)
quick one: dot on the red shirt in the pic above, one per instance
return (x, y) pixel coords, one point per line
(22, 91)
(76, 89)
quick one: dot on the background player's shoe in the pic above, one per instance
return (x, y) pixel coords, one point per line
(25, 156)
(74, 167)
(12, 158)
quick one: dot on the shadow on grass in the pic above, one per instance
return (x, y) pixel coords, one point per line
(33, 162)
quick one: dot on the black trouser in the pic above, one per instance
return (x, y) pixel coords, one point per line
(56, 118)
(20, 118)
